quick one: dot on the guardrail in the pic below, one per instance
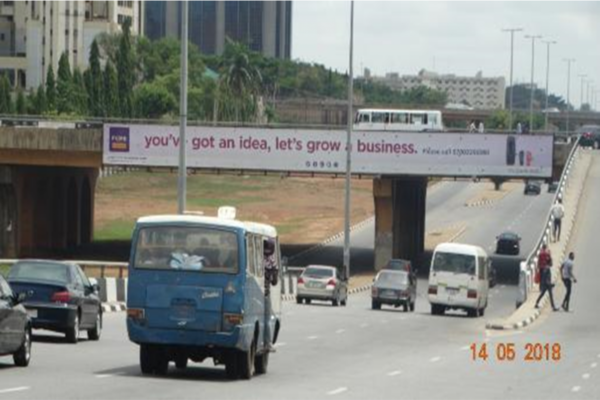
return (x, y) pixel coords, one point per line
(528, 267)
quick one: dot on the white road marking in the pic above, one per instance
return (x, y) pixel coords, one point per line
(340, 331)
(15, 389)
(337, 391)
(280, 344)
(593, 365)
(435, 359)
(585, 376)
(576, 389)
(394, 373)
(312, 337)
(102, 376)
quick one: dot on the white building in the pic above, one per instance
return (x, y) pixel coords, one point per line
(34, 34)
(477, 91)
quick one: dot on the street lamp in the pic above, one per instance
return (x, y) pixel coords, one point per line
(548, 43)
(532, 37)
(512, 40)
(582, 76)
(349, 151)
(182, 181)
(568, 61)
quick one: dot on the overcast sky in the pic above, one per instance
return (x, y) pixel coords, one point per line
(453, 37)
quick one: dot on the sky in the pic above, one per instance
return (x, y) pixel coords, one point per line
(454, 37)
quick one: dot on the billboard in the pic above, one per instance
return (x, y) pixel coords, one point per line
(307, 150)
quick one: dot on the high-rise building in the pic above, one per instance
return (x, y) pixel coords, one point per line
(265, 26)
(34, 34)
(475, 91)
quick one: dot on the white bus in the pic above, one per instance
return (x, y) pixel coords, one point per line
(398, 120)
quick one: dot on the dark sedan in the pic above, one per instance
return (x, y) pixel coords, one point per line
(15, 326)
(62, 298)
(396, 288)
(533, 187)
(590, 136)
(508, 243)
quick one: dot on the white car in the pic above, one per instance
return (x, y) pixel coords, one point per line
(322, 282)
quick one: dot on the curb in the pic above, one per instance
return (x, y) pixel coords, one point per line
(113, 307)
(481, 203)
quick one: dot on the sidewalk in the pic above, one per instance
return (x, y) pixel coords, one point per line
(527, 313)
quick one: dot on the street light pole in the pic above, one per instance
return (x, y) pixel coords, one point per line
(568, 61)
(582, 76)
(548, 43)
(532, 37)
(181, 186)
(349, 151)
(512, 40)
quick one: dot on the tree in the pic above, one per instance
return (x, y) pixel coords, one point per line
(125, 72)
(50, 90)
(20, 104)
(111, 91)
(153, 101)
(40, 104)
(94, 82)
(64, 82)
(80, 95)
(5, 100)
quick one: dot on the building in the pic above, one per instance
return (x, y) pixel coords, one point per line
(477, 91)
(34, 34)
(265, 26)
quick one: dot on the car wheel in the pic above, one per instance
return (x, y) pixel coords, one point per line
(232, 366)
(72, 334)
(472, 312)
(412, 306)
(298, 300)
(375, 305)
(261, 363)
(147, 359)
(335, 302)
(307, 301)
(181, 362)
(161, 366)
(437, 309)
(405, 307)
(481, 312)
(246, 361)
(94, 334)
(343, 302)
(23, 355)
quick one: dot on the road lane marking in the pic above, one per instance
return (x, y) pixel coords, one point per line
(394, 373)
(312, 337)
(15, 389)
(585, 376)
(337, 391)
(435, 359)
(280, 344)
(102, 376)
(576, 389)
(593, 365)
(340, 331)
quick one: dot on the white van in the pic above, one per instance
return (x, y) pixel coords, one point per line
(458, 279)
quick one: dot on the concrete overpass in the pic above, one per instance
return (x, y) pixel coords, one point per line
(48, 179)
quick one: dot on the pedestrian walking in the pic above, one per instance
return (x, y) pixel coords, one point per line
(519, 128)
(472, 128)
(568, 278)
(481, 127)
(557, 212)
(545, 269)
(271, 276)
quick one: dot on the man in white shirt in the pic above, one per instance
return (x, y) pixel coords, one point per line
(557, 212)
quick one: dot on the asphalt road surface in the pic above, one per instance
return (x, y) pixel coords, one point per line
(353, 352)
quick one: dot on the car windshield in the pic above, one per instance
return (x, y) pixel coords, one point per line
(315, 272)
(398, 265)
(40, 272)
(187, 248)
(455, 263)
(392, 279)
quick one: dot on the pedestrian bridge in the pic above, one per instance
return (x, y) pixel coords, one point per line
(48, 176)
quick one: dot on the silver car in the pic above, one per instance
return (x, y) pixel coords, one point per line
(321, 282)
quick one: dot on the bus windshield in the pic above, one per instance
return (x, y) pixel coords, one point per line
(454, 263)
(199, 249)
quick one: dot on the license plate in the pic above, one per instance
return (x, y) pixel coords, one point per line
(452, 291)
(32, 313)
(389, 294)
(316, 285)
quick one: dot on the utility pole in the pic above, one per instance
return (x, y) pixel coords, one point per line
(182, 183)
(532, 37)
(512, 40)
(568, 61)
(582, 76)
(349, 152)
(548, 43)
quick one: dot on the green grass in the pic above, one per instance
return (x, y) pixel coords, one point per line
(115, 230)
(4, 269)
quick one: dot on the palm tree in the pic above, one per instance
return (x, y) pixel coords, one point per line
(240, 77)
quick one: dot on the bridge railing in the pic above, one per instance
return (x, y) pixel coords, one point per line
(528, 267)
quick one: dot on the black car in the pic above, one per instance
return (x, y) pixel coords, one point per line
(396, 288)
(508, 243)
(62, 299)
(15, 326)
(492, 276)
(553, 186)
(533, 187)
(590, 136)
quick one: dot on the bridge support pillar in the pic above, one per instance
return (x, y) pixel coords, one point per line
(53, 210)
(399, 219)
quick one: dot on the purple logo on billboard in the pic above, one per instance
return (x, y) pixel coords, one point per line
(119, 139)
